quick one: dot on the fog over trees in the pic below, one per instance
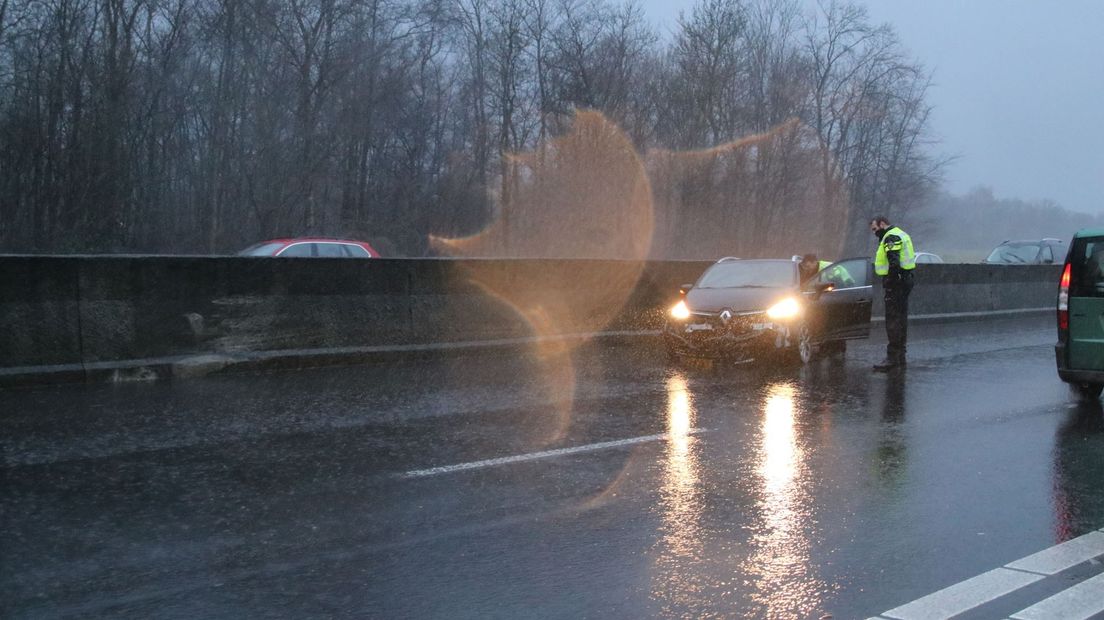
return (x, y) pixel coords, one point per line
(197, 126)
(964, 228)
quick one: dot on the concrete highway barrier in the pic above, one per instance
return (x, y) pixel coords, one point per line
(115, 318)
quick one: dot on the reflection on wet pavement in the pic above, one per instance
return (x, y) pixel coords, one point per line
(785, 584)
(892, 443)
(677, 582)
(1078, 471)
(815, 491)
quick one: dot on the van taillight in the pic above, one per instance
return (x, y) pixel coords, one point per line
(1063, 300)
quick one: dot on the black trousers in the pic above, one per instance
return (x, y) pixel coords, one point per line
(896, 314)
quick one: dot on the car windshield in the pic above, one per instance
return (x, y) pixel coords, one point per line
(749, 274)
(1014, 253)
(261, 249)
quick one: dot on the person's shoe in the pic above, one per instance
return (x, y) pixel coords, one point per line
(888, 364)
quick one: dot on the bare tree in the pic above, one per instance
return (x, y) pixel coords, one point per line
(710, 69)
(867, 108)
(204, 125)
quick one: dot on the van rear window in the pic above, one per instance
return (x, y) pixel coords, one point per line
(1087, 267)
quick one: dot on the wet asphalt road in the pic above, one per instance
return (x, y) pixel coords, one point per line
(638, 489)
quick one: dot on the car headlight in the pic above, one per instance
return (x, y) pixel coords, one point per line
(788, 308)
(680, 310)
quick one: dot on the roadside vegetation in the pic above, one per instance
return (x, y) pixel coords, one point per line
(201, 126)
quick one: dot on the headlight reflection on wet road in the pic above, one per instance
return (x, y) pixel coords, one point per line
(786, 584)
(681, 470)
(762, 568)
(780, 451)
(676, 585)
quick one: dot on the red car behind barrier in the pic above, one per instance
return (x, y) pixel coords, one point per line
(311, 247)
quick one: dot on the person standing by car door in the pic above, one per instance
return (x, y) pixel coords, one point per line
(810, 266)
(894, 260)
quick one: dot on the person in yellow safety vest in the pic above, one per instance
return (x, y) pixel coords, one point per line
(810, 266)
(894, 261)
(839, 276)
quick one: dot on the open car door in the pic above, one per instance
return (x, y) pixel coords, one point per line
(844, 309)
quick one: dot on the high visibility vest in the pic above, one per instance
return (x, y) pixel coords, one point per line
(840, 276)
(904, 246)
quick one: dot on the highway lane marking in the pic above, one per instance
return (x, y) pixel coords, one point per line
(986, 587)
(1078, 602)
(533, 456)
(1060, 557)
(965, 595)
(966, 315)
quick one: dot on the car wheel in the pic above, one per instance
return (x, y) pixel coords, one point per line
(1087, 391)
(807, 350)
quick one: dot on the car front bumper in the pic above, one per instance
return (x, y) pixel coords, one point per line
(742, 338)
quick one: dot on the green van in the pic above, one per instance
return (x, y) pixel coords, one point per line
(1080, 348)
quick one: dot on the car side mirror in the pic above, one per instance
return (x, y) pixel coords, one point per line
(685, 288)
(823, 288)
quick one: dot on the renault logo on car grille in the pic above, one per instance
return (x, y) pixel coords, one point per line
(726, 315)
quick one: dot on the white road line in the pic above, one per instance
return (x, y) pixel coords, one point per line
(965, 315)
(1081, 601)
(964, 596)
(520, 458)
(1063, 556)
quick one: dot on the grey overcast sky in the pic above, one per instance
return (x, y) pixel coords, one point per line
(1018, 90)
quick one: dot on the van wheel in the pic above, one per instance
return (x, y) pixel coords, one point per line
(1087, 391)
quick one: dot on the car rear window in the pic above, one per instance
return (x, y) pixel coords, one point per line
(1014, 253)
(1087, 267)
(329, 250)
(261, 249)
(357, 251)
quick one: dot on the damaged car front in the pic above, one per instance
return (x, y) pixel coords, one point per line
(751, 309)
(739, 309)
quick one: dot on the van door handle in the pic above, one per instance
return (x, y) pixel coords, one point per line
(1078, 314)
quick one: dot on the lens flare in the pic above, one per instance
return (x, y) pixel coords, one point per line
(583, 195)
(781, 188)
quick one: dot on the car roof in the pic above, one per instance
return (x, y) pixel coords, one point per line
(1089, 232)
(728, 260)
(746, 261)
(314, 240)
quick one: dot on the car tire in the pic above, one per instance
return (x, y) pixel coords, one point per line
(1087, 391)
(807, 349)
